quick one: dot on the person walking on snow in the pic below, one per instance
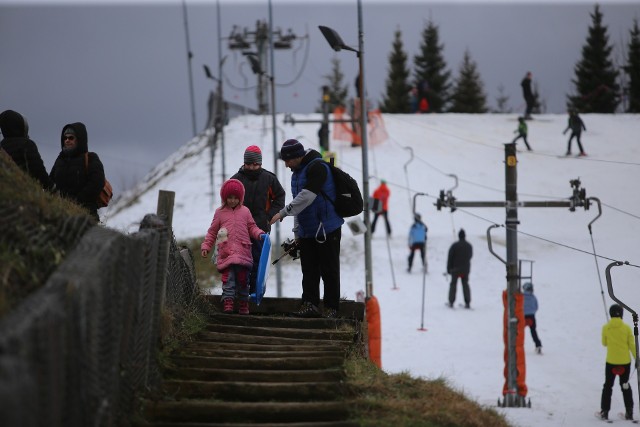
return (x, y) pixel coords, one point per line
(530, 309)
(417, 241)
(264, 196)
(382, 194)
(459, 266)
(618, 339)
(576, 125)
(522, 132)
(316, 227)
(231, 231)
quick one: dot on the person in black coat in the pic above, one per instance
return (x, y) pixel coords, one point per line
(77, 173)
(576, 125)
(459, 265)
(528, 95)
(264, 196)
(21, 149)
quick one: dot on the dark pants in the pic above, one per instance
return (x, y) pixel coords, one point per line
(610, 372)
(414, 248)
(321, 260)
(529, 109)
(524, 137)
(386, 220)
(466, 292)
(577, 136)
(530, 321)
(256, 250)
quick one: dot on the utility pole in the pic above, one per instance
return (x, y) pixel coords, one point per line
(515, 389)
(261, 38)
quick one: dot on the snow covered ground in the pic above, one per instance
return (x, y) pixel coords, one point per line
(422, 151)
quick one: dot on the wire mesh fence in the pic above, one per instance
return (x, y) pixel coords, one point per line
(76, 351)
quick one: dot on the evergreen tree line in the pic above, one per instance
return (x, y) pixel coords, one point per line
(599, 86)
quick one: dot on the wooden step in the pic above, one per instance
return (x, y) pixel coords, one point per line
(256, 424)
(257, 363)
(253, 391)
(276, 321)
(310, 375)
(215, 345)
(314, 334)
(253, 339)
(264, 354)
(279, 412)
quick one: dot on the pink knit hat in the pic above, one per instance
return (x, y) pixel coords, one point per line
(232, 187)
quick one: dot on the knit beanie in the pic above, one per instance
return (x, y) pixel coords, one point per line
(462, 234)
(69, 131)
(232, 187)
(291, 149)
(253, 155)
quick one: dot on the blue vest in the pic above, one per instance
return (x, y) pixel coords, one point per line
(321, 211)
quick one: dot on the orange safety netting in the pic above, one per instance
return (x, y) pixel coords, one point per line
(376, 129)
(520, 360)
(373, 329)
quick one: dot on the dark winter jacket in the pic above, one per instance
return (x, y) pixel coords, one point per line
(459, 259)
(74, 180)
(313, 175)
(22, 150)
(526, 88)
(264, 195)
(576, 124)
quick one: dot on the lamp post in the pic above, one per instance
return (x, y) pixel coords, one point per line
(336, 43)
(257, 69)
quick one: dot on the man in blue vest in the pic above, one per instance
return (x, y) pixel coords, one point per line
(317, 228)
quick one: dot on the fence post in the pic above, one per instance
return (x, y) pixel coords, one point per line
(165, 206)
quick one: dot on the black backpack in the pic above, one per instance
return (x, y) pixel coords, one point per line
(348, 196)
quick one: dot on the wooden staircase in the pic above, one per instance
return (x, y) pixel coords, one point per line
(264, 369)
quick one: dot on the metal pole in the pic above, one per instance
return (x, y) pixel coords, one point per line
(275, 142)
(221, 112)
(189, 57)
(365, 159)
(511, 184)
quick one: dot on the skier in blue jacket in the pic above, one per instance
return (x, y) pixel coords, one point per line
(417, 241)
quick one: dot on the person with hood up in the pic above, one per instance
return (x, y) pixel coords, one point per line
(77, 173)
(231, 231)
(23, 151)
(417, 241)
(530, 309)
(317, 228)
(618, 339)
(264, 196)
(527, 93)
(458, 266)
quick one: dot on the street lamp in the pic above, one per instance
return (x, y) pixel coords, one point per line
(256, 67)
(336, 43)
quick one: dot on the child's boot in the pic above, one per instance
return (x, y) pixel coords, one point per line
(227, 305)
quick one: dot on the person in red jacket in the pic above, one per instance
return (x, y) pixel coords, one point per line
(382, 194)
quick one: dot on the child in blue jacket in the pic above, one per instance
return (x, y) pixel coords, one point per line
(530, 308)
(417, 241)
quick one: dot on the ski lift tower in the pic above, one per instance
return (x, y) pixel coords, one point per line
(515, 389)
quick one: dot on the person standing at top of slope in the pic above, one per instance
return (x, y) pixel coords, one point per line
(618, 338)
(23, 151)
(459, 266)
(264, 196)
(527, 93)
(576, 125)
(231, 231)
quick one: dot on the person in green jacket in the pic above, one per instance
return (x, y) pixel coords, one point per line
(522, 132)
(618, 338)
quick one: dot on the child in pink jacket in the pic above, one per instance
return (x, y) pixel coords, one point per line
(231, 231)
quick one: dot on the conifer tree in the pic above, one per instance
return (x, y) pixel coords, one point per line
(468, 92)
(595, 75)
(338, 91)
(430, 68)
(632, 69)
(396, 99)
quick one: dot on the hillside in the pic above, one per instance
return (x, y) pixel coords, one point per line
(464, 347)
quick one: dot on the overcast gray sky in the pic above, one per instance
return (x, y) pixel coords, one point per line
(122, 69)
